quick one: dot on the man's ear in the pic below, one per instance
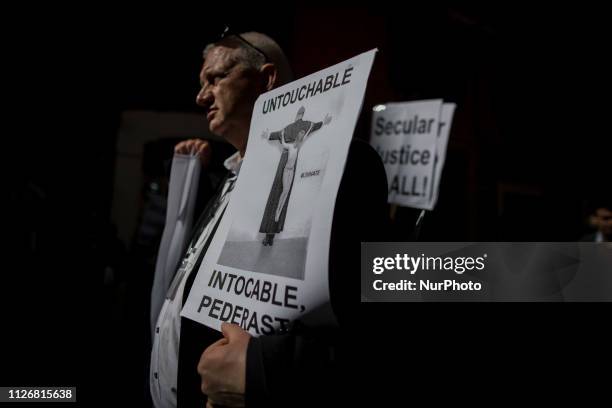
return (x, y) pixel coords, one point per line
(270, 76)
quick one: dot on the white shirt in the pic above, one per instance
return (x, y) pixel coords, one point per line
(164, 356)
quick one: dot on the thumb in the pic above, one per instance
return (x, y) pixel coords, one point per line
(230, 330)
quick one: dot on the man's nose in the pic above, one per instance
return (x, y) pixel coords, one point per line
(204, 97)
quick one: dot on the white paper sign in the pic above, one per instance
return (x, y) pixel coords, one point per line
(411, 138)
(268, 262)
(446, 120)
(182, 192)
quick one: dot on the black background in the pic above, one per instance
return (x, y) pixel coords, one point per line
(533, 89)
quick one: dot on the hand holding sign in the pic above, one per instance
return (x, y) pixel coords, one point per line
(222, 367)
(198, 147)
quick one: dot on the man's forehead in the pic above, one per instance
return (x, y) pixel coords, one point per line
(220, 57)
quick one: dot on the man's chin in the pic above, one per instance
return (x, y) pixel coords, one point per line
(216, 127)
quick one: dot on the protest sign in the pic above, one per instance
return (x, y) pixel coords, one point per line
(268, 261)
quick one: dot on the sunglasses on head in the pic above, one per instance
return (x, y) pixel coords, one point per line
(227, 32)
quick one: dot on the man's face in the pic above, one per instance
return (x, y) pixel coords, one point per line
(604, 216)
(229, 90)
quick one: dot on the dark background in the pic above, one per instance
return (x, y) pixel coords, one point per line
(528, 155)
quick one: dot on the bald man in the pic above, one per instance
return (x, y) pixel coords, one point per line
(194, 365)
(235, 72)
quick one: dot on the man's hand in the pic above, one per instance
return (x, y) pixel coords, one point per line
(265, 134)
(327, 119)
(199, 147)
(222, 367)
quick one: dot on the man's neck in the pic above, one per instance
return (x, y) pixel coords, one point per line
(239, 142)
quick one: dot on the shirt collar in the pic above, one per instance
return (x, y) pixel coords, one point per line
(233, 163)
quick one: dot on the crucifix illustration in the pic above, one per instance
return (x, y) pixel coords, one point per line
(291, 138)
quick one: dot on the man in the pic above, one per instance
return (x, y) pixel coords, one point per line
(291, 139)
(601, 222)
(233, 368)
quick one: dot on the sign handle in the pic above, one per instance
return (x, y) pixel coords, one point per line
(417, 226)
